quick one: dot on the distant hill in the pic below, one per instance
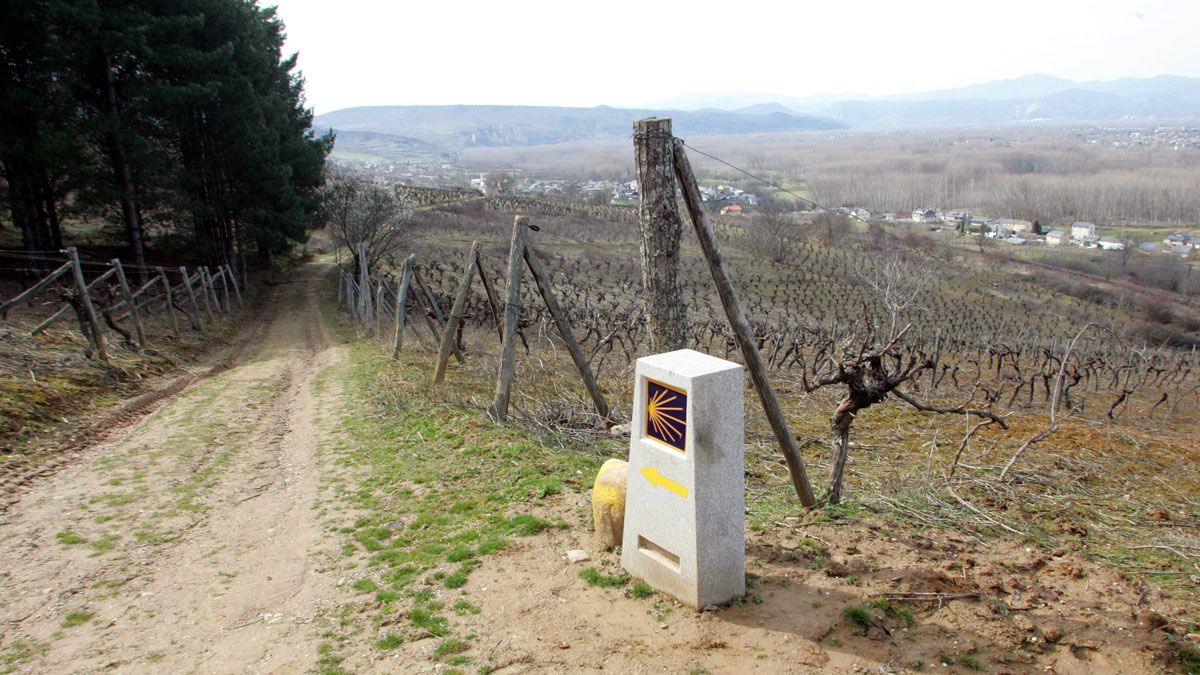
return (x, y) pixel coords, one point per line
(400, 132)
(1032, 99)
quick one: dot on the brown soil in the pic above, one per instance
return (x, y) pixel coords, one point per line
(1025, 610)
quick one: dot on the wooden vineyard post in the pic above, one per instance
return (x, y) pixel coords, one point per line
(191, 293)
(210, 286)
(237, 293)
(33, 290)
(162, 276)
(402, 305)
(456, 314)
(512, 316)
(224, 288)
(434, 305)
(661, 229)
(364, 285)
(435, 308)
(741, 327)
(130, 302)
(564, 329)
(491, 295)
(97, 338)
(377, 325)
(204, 292)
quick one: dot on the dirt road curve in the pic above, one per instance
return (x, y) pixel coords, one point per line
(188, 542)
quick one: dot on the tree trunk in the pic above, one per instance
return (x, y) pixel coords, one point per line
(122, 172)
(661, 228)
(839, 443)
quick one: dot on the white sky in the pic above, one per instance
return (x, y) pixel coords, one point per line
(633, 52)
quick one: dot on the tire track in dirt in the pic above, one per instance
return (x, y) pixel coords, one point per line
(192, 544)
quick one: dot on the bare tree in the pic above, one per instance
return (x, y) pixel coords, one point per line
(898, 283)
(356, 210)
(832, 227)
(773, 233)
(871, 373)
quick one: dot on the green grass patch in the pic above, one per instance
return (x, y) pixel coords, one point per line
(428, 622)
(389, 641)
(640, 590)
(449, 647)
(69, 538)
(859, 615)
(76, 618)
(594, 578)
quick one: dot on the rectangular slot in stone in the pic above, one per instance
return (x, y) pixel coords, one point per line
(658, 553)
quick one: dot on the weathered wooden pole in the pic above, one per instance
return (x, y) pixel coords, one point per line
(187, 283)
(491, 295)
(564, 329)
(377, 326)
(434, 304)
(86, 300)
(435, 310)
(512, 316)
(741, 327)
(130, 303)
(211, 283)
(162, 276)
(456, 314)
(364, 285)
(237, 293)
(661, 229)
(204, 292)
(224, 288)
(33, 290)
(402, 305)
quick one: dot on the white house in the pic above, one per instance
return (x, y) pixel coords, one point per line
(1082, 229)
(1014, 224)
(1057, 237)
(1111, 244)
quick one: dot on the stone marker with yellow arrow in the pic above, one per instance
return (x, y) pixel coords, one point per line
(651, 473)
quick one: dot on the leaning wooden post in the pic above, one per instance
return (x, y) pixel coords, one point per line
(456, 315)
(661, 229)
(204, 293)
(130, 302)
(191, 292)
(741, 327)
(512, 316)
(564, 329)
(364, 285)
(401, 305)
(491, 295)
(435, 308)
(378, 327)
(162, 276)
(86, 299)
(210, 286)
(434, 305)
(237, 293)
(224, 288)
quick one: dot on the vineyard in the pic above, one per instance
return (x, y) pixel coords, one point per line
(1008, 409)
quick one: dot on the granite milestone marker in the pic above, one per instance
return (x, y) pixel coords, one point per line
(684, 508)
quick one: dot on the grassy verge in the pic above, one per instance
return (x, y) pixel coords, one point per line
(420, 491)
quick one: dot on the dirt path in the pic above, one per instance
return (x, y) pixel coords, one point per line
(186, 542)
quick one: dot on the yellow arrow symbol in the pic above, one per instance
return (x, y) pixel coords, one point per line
(660, 480)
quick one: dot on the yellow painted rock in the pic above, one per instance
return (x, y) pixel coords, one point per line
(608, 503)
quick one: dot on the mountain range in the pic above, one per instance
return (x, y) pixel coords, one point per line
(1032, 99)
(441, 132)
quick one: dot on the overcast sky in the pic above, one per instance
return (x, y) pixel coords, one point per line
(634, 52)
